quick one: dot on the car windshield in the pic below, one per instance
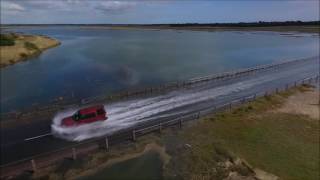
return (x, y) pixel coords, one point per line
(76, 116)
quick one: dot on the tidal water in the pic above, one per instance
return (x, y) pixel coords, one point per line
(92, 62)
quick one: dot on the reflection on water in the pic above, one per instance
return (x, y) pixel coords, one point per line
(92, 62)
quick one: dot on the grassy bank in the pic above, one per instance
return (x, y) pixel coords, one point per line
(284, 144)
(17, 47)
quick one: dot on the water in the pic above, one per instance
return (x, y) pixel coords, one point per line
(129, 113)
(90, 62)
(146, 167)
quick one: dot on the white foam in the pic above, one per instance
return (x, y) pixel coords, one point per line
(128, 113)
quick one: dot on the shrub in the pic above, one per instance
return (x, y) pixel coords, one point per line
(6, 40)
(30, 46)
(23, 55)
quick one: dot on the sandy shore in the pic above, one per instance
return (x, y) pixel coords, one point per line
(304, 103)
(25, 46)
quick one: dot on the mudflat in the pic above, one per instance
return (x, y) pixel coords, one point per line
(24, 47)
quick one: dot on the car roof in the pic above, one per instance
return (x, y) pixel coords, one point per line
(90, 109)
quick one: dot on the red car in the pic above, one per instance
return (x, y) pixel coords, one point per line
(85, 116)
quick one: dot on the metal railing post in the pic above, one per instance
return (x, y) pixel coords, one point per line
(134, 135)
(34, 166)
(107, 144)
(74, 154)
(160, 128)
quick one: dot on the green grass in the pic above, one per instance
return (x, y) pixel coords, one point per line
(144, 167)
(7, 40)
(282, 144)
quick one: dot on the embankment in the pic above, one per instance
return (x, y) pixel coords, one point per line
(270, 134)
(23, 47)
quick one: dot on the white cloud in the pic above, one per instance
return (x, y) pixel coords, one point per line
(52, 5)
(47, 4)
(115, 6)
(11, 6)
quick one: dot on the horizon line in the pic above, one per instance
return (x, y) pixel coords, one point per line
(182, 23)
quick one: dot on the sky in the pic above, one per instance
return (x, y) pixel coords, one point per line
(155, 11)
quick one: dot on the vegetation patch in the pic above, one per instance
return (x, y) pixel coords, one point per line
(7, 40)
(23, 55)
(31, 46)
(283, 144)
(196, 154)
(100, 160)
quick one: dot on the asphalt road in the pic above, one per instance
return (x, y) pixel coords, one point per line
(24, 141)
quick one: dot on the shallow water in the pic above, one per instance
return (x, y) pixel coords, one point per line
(93, 61)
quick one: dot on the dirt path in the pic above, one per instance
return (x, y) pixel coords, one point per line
(306, 103)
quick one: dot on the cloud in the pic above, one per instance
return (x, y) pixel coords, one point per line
(47, 4)
(115, 6)
(154, 11)
(11, 6)
(40, 5)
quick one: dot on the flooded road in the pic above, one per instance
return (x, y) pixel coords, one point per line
(129, 113)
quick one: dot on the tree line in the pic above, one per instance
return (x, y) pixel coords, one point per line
(240, 24)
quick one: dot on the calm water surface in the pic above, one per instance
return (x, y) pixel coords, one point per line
(90, 62)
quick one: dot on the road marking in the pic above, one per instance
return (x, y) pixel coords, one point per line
(36, 137)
